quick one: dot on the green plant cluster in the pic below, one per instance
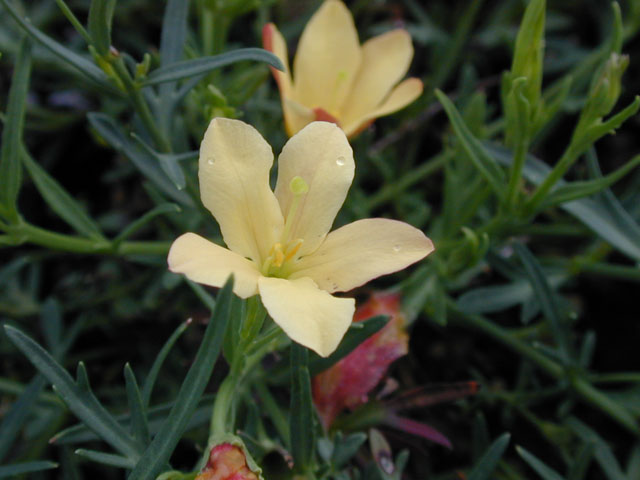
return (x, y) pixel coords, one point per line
(105, 105)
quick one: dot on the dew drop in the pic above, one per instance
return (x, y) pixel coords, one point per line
(210, 160)
(340, 161)
(397, 248)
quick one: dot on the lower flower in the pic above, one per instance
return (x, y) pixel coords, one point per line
(227, 462)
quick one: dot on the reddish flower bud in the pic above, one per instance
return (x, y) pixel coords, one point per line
(347, 383)
(227, 462)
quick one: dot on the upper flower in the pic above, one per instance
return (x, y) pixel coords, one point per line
(279, 241)
(336, 79)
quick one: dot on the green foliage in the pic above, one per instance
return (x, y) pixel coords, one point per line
(531, 201)
(301, 419)
(10, 166)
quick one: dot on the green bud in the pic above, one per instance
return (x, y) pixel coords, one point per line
(517, 111)
(104, 62)
(529, 50)
(142, 68)
(605, 90)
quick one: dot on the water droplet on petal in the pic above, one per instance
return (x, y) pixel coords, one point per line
(340, 161)
(210, 160)
(397, 248)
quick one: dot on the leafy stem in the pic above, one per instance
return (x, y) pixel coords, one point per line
(140, 104)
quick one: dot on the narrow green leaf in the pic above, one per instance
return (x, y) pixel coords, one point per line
(59, 199)
(581, 462)
(488, 462)
(575, 190)
(500, 297)
(301, 428)
(139, 426)
(546, 297)
(10, 167)
(108, 128)
(199, 66)
(85, 66)
(633, 464)
(479, 156)
(157, 415)
(66, 11)
(174, 31)
(602, 452)
(545, 472)
(106, 458)
(159, 451)
(598, 130)
(168, 163)
(147, 387)
(613, 226)
(8, 471)
(51, 325)
(347, 447)
(136, 225)
(14, 419)
(99, 24)
(78, 398)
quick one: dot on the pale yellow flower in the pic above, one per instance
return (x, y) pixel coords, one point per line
(335, 78)
(279, 241)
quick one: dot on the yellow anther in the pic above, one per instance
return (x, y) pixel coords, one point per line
(294, 250)
(277, 262)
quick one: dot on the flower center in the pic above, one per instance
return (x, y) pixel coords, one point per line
(278, 262)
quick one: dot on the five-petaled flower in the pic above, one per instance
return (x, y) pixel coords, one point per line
(335, 78)
(279, 241)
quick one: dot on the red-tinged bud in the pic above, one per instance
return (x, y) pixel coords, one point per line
(227, 462)
(348, 382)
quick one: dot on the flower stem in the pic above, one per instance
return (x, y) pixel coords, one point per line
(140, 104)
(567, 159)
(223, 416)
(26, 233)
(515, 174)
(224, 412)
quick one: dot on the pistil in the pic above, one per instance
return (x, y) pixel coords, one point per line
(299, 188)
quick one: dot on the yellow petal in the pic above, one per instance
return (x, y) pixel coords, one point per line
(320, 154)
(327, 59)
(308, 315)
(205, 262)
(273, 41)
(401, 96)
(234, 185)
(296, 116)
(385, 60)
(361, 251)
